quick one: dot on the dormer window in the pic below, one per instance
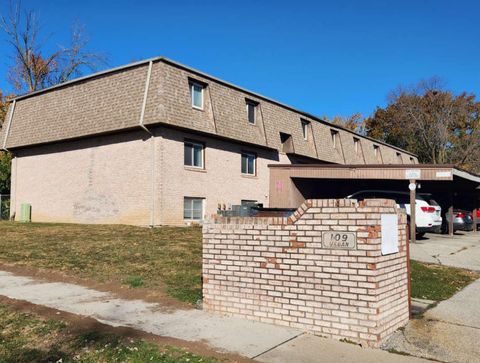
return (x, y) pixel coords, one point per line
(305, 124)
(399, 158)
(251, 111)
(197, 93)
(376, 151)
(356, 145)
(334, 138)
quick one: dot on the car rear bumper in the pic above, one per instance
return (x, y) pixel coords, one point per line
(432, 229)
(463, 227)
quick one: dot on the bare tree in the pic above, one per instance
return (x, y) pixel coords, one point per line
(33, 69)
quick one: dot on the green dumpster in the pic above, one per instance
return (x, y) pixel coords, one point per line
(25, 212)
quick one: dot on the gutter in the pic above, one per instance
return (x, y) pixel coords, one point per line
(152, 143)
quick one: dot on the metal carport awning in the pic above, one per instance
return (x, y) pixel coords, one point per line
(291, 184)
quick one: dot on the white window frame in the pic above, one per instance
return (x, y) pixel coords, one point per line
(254, 105)
(193, 158)
(191, 199)
(334, 138)
(192, 94)
(305, 125)
(356, 142)
(254, 163)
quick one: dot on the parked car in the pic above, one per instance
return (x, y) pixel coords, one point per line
(462, 221)
(478, 219)
(428, 217)
(438, 210)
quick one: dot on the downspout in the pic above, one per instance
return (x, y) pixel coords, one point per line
(152, 143)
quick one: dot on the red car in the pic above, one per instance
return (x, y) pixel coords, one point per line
(478, 219)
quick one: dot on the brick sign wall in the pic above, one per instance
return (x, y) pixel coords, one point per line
(321, 270)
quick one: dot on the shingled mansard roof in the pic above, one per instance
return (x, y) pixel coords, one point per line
(156, 92)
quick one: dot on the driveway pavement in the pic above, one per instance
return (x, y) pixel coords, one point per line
(462, 250)
(263, 342)
(450, 332)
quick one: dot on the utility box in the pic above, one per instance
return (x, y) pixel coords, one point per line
(26, 212)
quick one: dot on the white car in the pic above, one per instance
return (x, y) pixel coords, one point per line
(428, 216)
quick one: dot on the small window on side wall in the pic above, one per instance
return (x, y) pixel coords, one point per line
(193, 154)
(192, 208)
(251, 111)
(305, 125)
(196, 93)
(249, 163)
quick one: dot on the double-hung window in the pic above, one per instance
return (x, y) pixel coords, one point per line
(196, 92)
(193, 154)
(248, 163)
(193, 208)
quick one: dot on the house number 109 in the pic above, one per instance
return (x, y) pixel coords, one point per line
(339, 240)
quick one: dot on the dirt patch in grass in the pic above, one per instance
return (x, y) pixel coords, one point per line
(166, 259)
(33, 333)
(436, 282)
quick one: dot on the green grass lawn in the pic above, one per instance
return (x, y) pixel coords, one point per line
(168, 258)
(27, 337)
(435, 282)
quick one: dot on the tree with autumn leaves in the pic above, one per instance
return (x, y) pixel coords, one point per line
(434, 123)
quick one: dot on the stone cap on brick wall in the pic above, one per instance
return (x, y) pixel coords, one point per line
(367, 205)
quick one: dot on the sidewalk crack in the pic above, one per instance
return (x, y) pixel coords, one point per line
(278, 345)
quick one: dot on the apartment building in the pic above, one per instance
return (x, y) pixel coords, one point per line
(156, 142)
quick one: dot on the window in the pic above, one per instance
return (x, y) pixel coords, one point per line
(305, 125)
(193, 208)
(412, 160)
(399, 158)
(334, 138)
(252, 111)
(376, 151)
(248, 163)
(193, 154)
(356, 143)
(196, 91)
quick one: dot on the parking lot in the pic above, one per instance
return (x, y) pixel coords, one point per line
(462, 250)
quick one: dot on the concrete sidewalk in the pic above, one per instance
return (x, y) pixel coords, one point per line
(263, 342)
(450, 332)
(462, 250)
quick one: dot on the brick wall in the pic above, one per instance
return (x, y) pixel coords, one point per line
(276, 270)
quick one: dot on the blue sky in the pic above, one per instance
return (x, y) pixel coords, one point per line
(324, 57)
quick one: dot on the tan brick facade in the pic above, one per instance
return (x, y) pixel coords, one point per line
(278, 270)
(108, 179)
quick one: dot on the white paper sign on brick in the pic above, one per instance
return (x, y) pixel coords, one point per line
(389, 233)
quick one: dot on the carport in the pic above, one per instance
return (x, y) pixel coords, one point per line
(453, 188)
